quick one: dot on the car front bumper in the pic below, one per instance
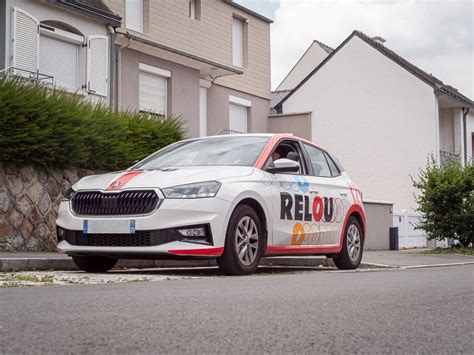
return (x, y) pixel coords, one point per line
(172, 214)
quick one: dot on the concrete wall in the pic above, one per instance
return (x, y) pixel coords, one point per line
(470, 135)
(183, 87)
(3, 28)
(210, 38)
(183, 95)
(446, 130)
(218, 110)
(377, 118)
(313, 56)
(379, 220)
(297, 123)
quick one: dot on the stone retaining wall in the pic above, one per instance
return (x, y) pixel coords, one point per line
(29, 200)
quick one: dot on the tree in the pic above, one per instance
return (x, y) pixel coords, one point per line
(446, 200)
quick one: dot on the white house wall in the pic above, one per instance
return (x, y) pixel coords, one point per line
(309, 61)
(470, 133)
(377, 118)
(446, 130)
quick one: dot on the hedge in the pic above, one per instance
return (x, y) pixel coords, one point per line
(446, 200)
(46, 127)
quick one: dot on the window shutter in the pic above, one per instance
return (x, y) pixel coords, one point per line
(97, 64)
(59, 59)
(25, 41)
(238, 118)
(152, 93)
(237, 42)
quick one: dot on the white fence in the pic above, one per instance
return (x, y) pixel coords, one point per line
(408, 236)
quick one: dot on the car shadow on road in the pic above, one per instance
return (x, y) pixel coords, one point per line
(215, 272)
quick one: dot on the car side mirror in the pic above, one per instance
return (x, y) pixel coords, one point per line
(282, 166)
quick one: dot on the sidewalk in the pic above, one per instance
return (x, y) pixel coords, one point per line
(399, 259)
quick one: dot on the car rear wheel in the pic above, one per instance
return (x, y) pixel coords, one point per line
(243, 243)
(94, 263)
(351, 254)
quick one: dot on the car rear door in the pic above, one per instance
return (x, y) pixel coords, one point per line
(329, 200)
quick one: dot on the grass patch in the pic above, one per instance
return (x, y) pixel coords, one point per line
(452, 250)
(18, 279)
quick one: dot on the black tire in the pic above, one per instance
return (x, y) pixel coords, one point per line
(96, 264)
(229, 262)
(343, 260)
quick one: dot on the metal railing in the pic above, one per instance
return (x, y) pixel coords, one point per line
(27, 75)
(224, 131)
(445, 156)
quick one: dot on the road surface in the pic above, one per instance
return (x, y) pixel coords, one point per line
(402, 311)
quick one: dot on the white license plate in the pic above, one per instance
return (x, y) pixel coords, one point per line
(123, 226)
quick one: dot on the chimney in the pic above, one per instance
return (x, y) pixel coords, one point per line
(379, 39)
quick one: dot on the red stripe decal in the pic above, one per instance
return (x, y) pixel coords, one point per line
(199, 252)
(122, 180)
(302, 249)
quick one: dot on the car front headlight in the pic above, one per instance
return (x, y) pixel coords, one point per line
(197, 190)
(69, 194)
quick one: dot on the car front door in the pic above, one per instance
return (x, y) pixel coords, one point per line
(290, 193)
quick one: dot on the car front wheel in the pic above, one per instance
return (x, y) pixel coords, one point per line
(243, 243)
(351, 254)
(97, 264)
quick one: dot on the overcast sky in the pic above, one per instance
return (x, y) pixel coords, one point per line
(437, 36)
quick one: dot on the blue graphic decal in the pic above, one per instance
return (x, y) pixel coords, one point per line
(302, 184)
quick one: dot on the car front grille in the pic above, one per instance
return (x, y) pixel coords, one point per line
(97, 203)
(139, 239)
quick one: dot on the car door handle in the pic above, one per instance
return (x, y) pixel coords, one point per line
(314, 192)
(343, 193)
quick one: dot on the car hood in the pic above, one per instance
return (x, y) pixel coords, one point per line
(161, 178)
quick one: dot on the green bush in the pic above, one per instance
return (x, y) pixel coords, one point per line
(446, 201)
(40, 126)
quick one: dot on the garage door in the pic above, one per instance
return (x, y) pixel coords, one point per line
(237, 118)
(59, 59)
(153, 93)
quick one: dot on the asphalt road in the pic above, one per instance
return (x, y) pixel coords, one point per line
(400, 311)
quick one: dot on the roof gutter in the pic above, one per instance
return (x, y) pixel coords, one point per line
(86, 10)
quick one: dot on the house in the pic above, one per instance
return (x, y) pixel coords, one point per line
(65, 43)
(205, 61)
(379, 114)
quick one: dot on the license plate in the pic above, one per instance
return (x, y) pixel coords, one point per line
(91, 226)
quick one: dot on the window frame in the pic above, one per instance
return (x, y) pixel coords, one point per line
(141, 28)
(304, 144)
(296, 143)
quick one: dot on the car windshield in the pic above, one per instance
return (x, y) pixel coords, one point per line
(230, 150)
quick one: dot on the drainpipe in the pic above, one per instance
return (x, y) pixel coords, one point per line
(112, 70)
(119, 75)
(465, 111)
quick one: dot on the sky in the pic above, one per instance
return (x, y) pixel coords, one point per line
(437, 36)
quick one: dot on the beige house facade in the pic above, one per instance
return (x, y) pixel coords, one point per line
(206, 61)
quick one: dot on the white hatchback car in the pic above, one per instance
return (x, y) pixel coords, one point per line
(234, 198)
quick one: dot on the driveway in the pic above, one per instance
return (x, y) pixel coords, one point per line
(414, 258)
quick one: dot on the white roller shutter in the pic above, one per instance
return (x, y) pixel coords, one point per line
(237, 42)
(238, 118)
(153, 92)
(59, 59)
(97, 64)
(25, 41)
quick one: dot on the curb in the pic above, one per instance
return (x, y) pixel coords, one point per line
(66, 264)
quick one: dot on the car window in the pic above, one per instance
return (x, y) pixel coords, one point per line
(216, 151)
(288, 150)
(332, 166)
(318, 161)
